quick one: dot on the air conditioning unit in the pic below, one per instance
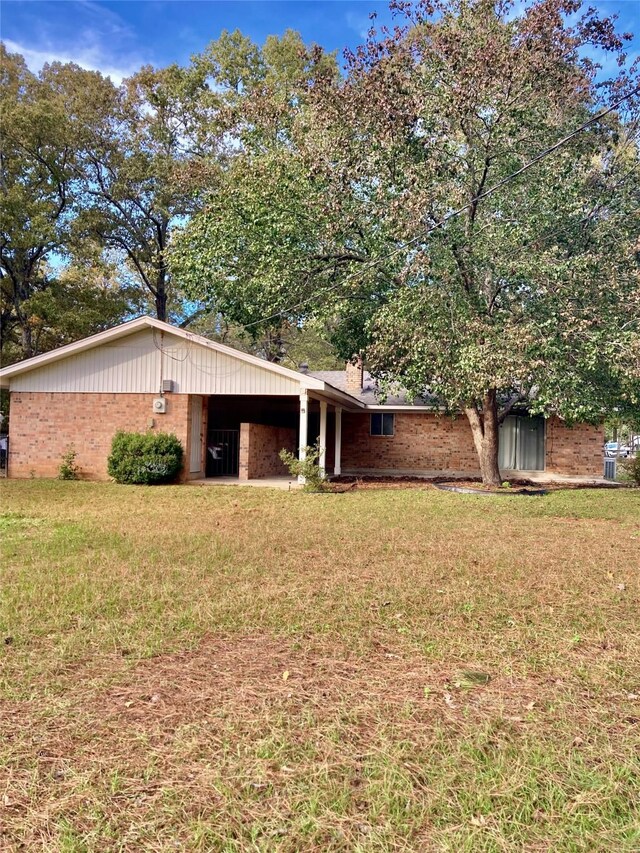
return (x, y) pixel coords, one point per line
(159, 406)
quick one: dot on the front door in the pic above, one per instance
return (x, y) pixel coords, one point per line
(195, 455)
(521, 443)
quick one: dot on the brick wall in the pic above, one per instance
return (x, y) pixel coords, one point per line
(422, 442)
(43, 425)
(439, 444)
(574, 450)
(259, 449)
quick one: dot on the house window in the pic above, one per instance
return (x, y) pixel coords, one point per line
(382, 424)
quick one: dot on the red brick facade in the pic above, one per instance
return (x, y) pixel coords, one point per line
(431, 443)
(44, 424)
(422, 442)
(260, 446)
(574, 450)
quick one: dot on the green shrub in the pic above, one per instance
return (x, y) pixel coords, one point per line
(631, 468)
(145, 458)
(68, 469)
(307, 468)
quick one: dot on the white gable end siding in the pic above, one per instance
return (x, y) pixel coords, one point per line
(136, 363)
(198, 370)
(129, 365)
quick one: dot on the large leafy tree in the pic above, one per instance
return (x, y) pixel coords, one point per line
(138, 155)
(486, 289)
(45, 302)
(249, 250)
(37, 157)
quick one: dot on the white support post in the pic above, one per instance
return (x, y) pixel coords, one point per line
(304, 421)
(322, 461)
(337, 470)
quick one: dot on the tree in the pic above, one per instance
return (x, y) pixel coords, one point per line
(137, 160)
(246, 248)
(82, 299)
(525, 296)
(488, 291)
(36, 167)
(45, 303)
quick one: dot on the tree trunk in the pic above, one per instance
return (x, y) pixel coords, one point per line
(485, 430)
(161, 304)
(26, 339)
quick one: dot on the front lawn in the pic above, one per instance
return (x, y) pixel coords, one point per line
(201, 668)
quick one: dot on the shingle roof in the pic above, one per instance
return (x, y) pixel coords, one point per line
(370, 393)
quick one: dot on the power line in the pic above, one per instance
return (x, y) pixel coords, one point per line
(375, 261)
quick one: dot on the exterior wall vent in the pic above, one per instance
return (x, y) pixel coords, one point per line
(167, 386)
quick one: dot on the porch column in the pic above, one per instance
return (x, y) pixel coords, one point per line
(337, 470)
(322, 461)
(304, 412)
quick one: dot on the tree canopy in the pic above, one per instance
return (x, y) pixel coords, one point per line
(460, 202)
(399, 206)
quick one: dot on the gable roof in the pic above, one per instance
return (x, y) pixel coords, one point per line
(141, 323)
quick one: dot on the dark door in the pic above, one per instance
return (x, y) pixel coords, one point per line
(223, 453)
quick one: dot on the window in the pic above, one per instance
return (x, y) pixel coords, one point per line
(382, 424)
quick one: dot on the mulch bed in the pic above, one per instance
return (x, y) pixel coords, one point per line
(368, 482)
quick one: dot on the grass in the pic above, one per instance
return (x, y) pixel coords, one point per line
(226, 669)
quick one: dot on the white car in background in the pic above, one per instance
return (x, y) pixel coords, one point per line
(622, 451)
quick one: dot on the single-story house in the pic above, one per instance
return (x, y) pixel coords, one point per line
(234, 412)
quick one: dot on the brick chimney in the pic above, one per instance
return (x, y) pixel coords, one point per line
(355, 373)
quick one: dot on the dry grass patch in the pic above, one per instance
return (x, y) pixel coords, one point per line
(236, 669)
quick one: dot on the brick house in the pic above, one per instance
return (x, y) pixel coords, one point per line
(234, 412)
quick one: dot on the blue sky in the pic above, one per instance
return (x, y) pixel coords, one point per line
(117, 37)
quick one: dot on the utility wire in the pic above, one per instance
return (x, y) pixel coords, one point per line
(452, 215)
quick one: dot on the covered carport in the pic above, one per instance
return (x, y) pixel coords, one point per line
(245, 433)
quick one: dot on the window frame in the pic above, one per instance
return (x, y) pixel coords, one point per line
(382, 416)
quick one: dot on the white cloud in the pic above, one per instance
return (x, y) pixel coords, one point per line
(90, 56)
(360, 24)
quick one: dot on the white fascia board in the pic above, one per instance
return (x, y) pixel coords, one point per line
(380, 408)
(337, 397)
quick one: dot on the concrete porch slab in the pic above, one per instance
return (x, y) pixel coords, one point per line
(551, 477)
(287, 484)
